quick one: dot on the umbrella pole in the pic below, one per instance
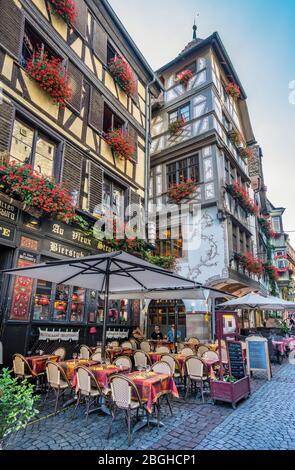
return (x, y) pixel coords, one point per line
(106, 309)
(176, 326)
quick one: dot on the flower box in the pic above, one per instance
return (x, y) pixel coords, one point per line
(271, 271)
(123, 75)
(236, 138)
(233, 90)
(183, 190)
(66, 9)
(121, 145)
(246, 153)
(238, 192)
(176, 127)
(50, 76)
(230, 392)
(250, 263)
(266, 227)
(184, 77)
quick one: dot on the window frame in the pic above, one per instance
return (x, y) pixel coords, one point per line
(188, 168)
(179, 114)
(114, 115)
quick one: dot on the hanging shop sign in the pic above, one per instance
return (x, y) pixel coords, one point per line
(117, 334)
(58, 335)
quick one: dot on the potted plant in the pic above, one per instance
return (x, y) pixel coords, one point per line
(284, 328)
(121, 145)
(182, 190)
(66, 9)
(236, 138)
(123, 75)
(250, 263)
(176, 127)
(238, 192)
(184, 77)
(51, 76)
(246, 153)
(266, 227)
(17, 405)
(271, 271)
(230, 390)
(233, 90)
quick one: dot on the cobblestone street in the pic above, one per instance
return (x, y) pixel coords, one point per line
(194, 425)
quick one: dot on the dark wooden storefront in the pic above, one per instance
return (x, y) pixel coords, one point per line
(28, 305)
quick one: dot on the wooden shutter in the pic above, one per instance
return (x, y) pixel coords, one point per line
(100, 42)
(72, 168)
(11, 21)
(95, 187)
(134, 139)
(81, 20)
(96, 109)
(6, 123)
(76, 84)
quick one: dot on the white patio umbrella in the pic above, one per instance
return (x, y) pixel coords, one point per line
(257, 301)
(112, 273)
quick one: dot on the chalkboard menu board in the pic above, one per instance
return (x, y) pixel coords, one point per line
(257, 356)
(235, 356)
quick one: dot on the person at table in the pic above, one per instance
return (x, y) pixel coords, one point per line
(171, 334)
(157, 335)
(137, 334)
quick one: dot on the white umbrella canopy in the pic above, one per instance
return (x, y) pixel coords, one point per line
(257, 301)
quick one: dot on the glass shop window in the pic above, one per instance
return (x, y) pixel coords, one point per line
(61, 301)
(118, 312)
(41, 306)
(95, 308)
(77, 304)
(30, 146)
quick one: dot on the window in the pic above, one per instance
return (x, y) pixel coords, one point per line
(113, 198)
(185, 169)
(235, 238)
(182, 112)
(226, 122)
(29, 145)
(110, 53)
(61, 303)
(276, 223)
(111, 120)
(191, 67)
(77, 305)
(41, 307)
(33, 43)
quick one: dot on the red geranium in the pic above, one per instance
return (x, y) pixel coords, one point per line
(176, 127)
(120, 144)
(182, 190)
(236, 138)
(123, 75)
(242, 196)
(250, 263)
(266, 227)
(65, 8)
(271, 271)
(50, 75)
(184, 77)
(246, 152)
(233, 90)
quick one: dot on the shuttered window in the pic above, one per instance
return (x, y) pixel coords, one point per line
(81, 20)
(76, 84)
(95, 186)
(96, 110)
(11, 23)
(6, 121)
(100, 41)
(133, 136)
(72, 169)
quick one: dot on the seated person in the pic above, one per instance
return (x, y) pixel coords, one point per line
(137, 334)
(157, 334)
(171, 334)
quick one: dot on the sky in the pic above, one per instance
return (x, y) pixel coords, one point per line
(259, 37)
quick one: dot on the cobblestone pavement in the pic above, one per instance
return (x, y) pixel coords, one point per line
(264, 421)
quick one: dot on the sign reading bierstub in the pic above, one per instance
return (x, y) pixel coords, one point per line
(258, 355)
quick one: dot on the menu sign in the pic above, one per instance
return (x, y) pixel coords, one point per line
(258, 355)
(236, 362)
(7, 211)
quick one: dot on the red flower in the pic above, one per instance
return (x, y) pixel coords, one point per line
(184, 76)
(176, 127)
(242, 196)
(120, 144)
(182, 190)
(123, 75)
(233, 90)
(64, 8)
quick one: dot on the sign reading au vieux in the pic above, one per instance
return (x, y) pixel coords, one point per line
(7, 211)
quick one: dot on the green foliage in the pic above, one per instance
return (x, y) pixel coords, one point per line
(166, 262)
(17, 404)
(229, 378)
(284, 328)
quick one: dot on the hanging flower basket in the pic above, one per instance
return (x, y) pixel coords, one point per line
(266, 227)
(23, 183)
(236, 138)
(183, 190)
(123, 75)
(120, 144)
(64, 8)
(176, 127)
(271, 271)
(233, 90)
(237, 191)
(246, 153)
(50, 75)
(250, 263)
(184, 77)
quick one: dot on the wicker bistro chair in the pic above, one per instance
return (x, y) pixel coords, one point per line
(126, 345)
(85, 352)
(201, 350)
(114, 344)
(174, 365)
(163, 350)
(195, 374)
(162, 367)
(88, 388)
(145, 346)
(180, 346)
(21, 367)
(57, 381)
(141, 359)
(61, 352)
(194, 341)
(123, 392)
(124, 361)
(210, 356)
(133, 343)
(96, 356)
(188, 352)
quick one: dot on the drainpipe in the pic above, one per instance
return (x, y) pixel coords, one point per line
(148, 119)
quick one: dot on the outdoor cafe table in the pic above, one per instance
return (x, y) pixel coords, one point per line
(38, 363)
(155, 357)
(282, 345)
(161, 342)
(118, 351)
(150, 385)
(102, 373)
(70, 365)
